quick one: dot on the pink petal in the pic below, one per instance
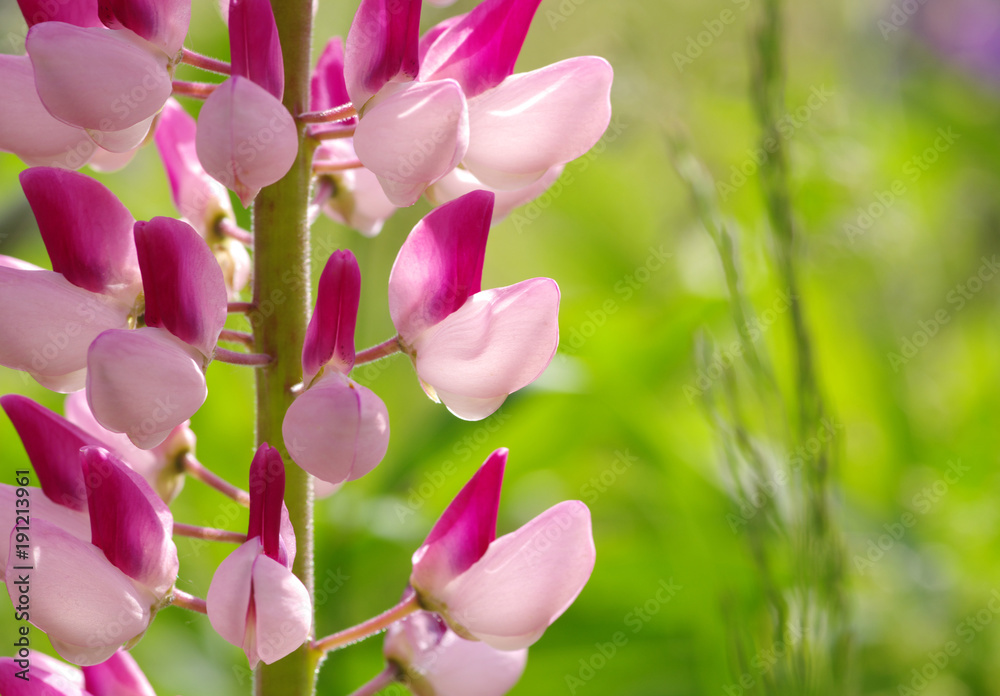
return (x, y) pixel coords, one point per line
(46, 676)
(48, 325)
(125, 140)
(358, 201)
(184, 288)
(106, 161)
(163, 23)
(330, 336)
(498, 342)
(73, 522)
(97, 78)
(129, 522)
(199, 198)
(461, 181)
(526, 579)
(30, 131)
(246, 139)
(118, 676)
(337, 430)
(480, 49)
(86, 230)
(267, 493)
(87, 606)
(327, 88)
(413, 136)
(283, 610)
(381, 45)
(464, 531)
(534, 121)
(228, 598)
(82, 13)
(144, 383)
(254, 45)
(53, 446)
(440, 265)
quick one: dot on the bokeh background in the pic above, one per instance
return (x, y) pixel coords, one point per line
(894, 149)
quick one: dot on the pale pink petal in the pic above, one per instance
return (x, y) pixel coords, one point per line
(96, 78)
(183, 285)
(228, 598)
(106, 161)
(82, 13)
(75, 523)
(440, 265)
(86, 230)
(337, 430)
(163, 23)
(461, 181)
(283, 610)
(118, 676)
(498, 342)
(49, 323)
(123, 141)
(144, 383)
(87, 606)
(456, 664)
(246, 139)
(381, 45)
(199, 198)
(144, 462)
(534, 121)
(29, 130)
(526, 579)
(358, 201)
(413, 136)
(254, 45)
(235, 262)
(129, 522)
(330, 334)
(480, 49)
(463, 532)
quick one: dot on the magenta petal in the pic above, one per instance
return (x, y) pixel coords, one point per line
(199, 198)
(87, 607)
(163, 23)
(463, 532)
(144, 383)
(327, 88)
(330, 336)
(97, 78)
(184, 288)
(440, 265)
(82, 13)
(534, 121)
(129, 522)
(526, 579)
(413, 136)
(479, 50)
(267, 493)
(381, 44)
(29, 130)
(53, 446)
(337, 430)
(246, 139)
(498, 342)
(47, 677)
(118, 676)
(48, 324)
(254, 45)
(86, 230)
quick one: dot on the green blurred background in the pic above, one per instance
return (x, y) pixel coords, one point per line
(895, 220)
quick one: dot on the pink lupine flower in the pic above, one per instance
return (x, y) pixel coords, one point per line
(92, 598)
(470, 348)
(202, 201)
(246, 139)
(507, 591)
(119, 675)
(354, 196)
(435, 661)
(51, 317)
(146, 382)
(461, 181)
(336, 429)
(40, 675)
(254, 600)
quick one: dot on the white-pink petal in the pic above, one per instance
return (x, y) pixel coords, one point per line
(283, 610)
(498, 342)
(536, 120)
(461, 181)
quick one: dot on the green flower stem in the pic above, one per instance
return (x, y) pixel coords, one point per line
(281, 278)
